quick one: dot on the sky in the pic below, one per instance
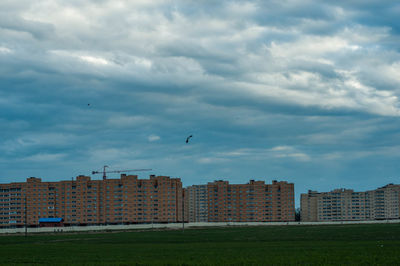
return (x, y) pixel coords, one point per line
(301, 91)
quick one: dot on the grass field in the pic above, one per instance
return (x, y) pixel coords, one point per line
(328, 245)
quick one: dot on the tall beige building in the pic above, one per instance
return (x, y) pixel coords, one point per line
(347, 205)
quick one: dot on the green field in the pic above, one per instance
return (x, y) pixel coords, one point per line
(333, 245)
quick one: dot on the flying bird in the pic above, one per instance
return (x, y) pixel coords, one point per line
(187, 139)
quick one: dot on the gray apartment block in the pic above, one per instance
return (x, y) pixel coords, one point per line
(347, 205)
(196, 198)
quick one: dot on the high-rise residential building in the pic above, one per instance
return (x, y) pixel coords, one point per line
(256, 201)
(84, 201)
(196, 203)
(159, 199)
(346, 204)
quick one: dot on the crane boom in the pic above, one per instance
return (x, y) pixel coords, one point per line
(104, 172)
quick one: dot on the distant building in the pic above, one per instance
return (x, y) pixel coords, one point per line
(196, 202)
(85, 201)
(160, 199)
(255, 201)
(347, 205)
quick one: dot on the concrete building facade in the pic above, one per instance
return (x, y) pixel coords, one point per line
(159, 199)
(196, 203)
(348, 205)
(84, 201)
(252, 202)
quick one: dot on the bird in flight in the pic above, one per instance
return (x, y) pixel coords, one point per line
(187, 139)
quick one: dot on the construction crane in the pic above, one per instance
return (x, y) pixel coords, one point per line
(116, 171)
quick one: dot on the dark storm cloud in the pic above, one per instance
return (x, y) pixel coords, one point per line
(296, 90)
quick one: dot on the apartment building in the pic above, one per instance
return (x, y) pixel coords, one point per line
(196, 203)
(347, 205)
(84, 201)
(255, 201)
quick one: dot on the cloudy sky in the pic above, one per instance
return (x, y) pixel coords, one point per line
(304, 91)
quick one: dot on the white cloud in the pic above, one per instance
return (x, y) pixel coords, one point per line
(5, 50)
(161, 46)
(212, 160)
(281, 148)
(45, 157)
(247, 75)
(80, 55)
(153, 138)
(262, 154)
(289, 152)
(29, 141)
(94, 60)
(309, 46)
